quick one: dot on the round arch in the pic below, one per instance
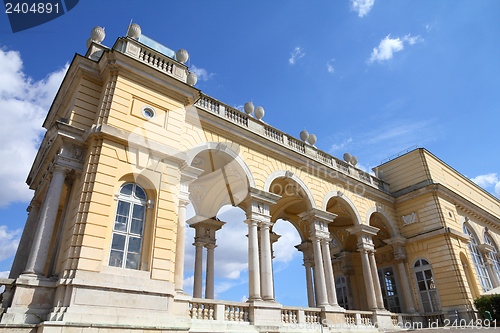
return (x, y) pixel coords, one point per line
(340, 195)
(466, 222)
(287, 174)
(222, 147)
(389, 224)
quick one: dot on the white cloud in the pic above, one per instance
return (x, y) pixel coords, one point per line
(9, 240)
(489, 180)
(24, 104)
(201, 73)
(362, 7)
(339, 146)
(284, 248)
(388, 46)
(296, 54)
(329, 66)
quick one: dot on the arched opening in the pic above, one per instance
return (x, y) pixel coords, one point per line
(386, 264)
(346, 260)
(230, 257)
(216, 243)
(292, 231)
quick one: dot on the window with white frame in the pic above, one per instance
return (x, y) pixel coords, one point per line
(478, 260)
(426, 286)
(495, 257)
(128, 229)
(341, 288)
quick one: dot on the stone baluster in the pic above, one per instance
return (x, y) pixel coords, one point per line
(46, 222)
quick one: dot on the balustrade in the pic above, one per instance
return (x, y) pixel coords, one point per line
(273, 134)
(198, 310)
(296, 144)
(237, 117)
(156, 60)
(289, 316)
(313, 316)
(236, 313)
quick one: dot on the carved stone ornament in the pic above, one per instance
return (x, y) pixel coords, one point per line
(409, 219)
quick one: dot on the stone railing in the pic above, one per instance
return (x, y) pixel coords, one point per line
(240, 118)
(313, 316)
(152, 58)
(289, 316)
(202, 310)
(205, 309)
(236, 312)
(7, 289)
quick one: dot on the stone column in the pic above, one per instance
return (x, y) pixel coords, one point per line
(376, 280)
(180, 245)
(253, 261)
(319, 274)
(258, 210)
(23, 249)
(45, 228)
(267, 266)
(310, 291)
(367, 275)
(410, 306)
(209, 288)
(397, 244)
(198, 267)
(365, 244)
(305, 248)
(330, 279)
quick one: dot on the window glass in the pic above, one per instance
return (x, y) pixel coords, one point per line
(389, 289)
(126, 244)
(427, 288)
(478, 260)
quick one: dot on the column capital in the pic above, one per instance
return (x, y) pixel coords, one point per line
(258, 204)
(318, 222)
(33, 204)
(397, 244)
(205, 228)
(210, 247)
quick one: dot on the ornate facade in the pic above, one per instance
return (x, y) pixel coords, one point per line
(130, 143)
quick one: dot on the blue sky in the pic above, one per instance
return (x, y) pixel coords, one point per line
(367, 77)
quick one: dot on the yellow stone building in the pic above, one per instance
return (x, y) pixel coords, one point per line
(131, 142)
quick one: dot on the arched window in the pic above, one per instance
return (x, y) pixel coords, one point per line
(477, 258)
(341, 288)
(494, 255)
(426, 286)
(128, 229)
